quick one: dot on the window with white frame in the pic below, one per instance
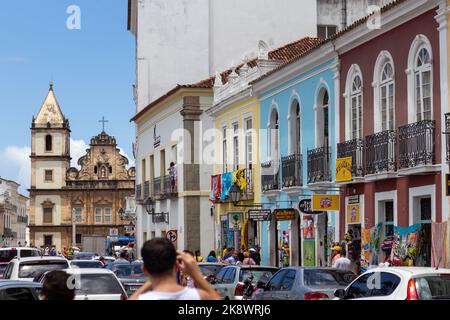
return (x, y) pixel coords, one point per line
(224, 149)
(423, 85)
(356, 107)
(248, 143)
(235, 145)
(273, 135)
(98, 217)
(78, 214)
(387, 97)
(107, 216)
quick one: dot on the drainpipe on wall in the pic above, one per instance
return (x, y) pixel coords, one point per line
(343, 14)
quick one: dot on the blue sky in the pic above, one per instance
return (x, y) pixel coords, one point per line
(92, 69)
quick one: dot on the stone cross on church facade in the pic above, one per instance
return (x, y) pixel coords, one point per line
(103, 121)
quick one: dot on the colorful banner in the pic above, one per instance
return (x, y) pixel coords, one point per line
(325, 202)
(344, 169)
(215, 188)
(375, 244)
(239, 178)
(365, 249)
(353, 214)
(226, 183)
(308, 227)
(309, 253)
(404, 246)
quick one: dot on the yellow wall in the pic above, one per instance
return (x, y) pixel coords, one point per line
(228, 116)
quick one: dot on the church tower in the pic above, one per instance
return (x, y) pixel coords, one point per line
(50, 160)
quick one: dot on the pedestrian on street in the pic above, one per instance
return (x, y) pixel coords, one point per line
(161, 263)
(233, 259)
(335, 254)
(229, 253)
(248, 260)
(198, 256)
(173, 176)
(343, 263)
(55, 286)
(211, 257)
(254, 254)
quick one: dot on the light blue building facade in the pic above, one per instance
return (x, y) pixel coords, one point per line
(298, 151)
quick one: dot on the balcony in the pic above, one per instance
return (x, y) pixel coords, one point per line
(146, 190)
(170, 186)
(22, 219)
(270, 176)
(417, 146)
(157, 184)
(380, 152)
(291, 172)
(319, 169)
(247, 193)
(138, 192)
(353, 149)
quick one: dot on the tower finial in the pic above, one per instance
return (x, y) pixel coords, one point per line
(51, 85)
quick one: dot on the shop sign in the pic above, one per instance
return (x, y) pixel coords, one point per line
(325, 202)
(284, 214)
(305, 206)
(344, 169)
(259, 215)
(353, 199)
(235, 220)
(353, 214)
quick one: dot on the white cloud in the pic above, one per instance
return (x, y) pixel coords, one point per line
(130, 159)
(15, 165)
(77, 150)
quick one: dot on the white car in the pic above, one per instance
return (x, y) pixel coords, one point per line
(7, 254)
(27, 269)
(96, 284)
(399, 283)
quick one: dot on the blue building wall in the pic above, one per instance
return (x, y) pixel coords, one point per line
(305, 88)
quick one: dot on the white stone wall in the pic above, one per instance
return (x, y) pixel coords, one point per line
(188, 40)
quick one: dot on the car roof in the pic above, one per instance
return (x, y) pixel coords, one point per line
(21, 248)
(90, 271)
(412, 270)
(19, 283)
(40, 258)
(85, 260)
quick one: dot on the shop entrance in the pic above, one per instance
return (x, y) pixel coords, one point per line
(423, 258)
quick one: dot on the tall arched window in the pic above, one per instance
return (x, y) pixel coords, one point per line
(422, 75)
(322, 121)
(274, 126)
(387, 97)
(48, 143)
(356, 107)
(294, 128)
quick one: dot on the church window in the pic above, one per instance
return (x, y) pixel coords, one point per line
(48, 175)
(48, 215)
(95, 170)
(48, 143)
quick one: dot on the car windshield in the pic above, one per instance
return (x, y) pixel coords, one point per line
(98, 284)
(208, 270)
(324, 278)
(128, 270)
(433, 287)
(7, 255)
(84, 256)
(29, 253)
(33, 269)
(262, 275)
(87, 264)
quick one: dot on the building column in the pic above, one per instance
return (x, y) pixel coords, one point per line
(403, 202)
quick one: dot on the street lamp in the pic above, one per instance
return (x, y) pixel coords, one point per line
(149, 206)
(235, 194)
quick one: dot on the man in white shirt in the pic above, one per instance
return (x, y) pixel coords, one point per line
(343, 263)
(161, 264)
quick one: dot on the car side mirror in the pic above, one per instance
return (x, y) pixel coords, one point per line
(339, 293)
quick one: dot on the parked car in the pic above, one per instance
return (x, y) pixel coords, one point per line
(86, 264)
(399, 283)
(210, 270)
(28, 268)
(229, 281)
(302, 283)
(108, 259)
(9, 253)
(130, 275)
(97, 284)
(19, 290)
(84, 256)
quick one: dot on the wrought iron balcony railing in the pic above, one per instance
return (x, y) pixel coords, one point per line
(146, 190)
(380, 152)
(170, 186)
(270, 176)
(138, 192)
(157, 185)
(319, 165)
(354, 149)
(416, 144)
(291, 171)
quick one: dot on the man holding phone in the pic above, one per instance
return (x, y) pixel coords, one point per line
(161, 265)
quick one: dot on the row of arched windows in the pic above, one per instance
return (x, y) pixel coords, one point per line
(419, 87)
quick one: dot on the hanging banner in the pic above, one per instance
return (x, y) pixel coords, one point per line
(365, 249)
(344, 169)
(235, 220)
(309, 253)
(308, 227)
(325, 202)
(284, 214)
(353, 214)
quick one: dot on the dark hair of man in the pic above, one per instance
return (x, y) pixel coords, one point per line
(188, 252)
(123, 254)
(55, 286)
(159, 256)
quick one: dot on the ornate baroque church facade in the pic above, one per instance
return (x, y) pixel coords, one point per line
(91, 194)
